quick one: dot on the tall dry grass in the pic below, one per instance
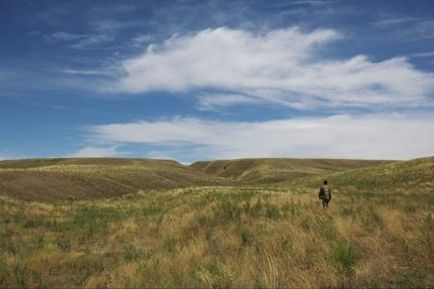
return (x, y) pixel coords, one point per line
(219, 237)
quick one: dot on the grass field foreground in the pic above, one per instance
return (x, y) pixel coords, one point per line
(217, 237)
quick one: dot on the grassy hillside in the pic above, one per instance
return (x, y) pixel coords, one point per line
(273, 169)
(89, 178)
(405, 178)
(259, 236)
(79, 178)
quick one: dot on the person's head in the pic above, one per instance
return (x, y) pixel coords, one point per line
(325, 182)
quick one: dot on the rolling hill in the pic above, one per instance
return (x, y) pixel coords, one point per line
(407, 177)
(93, 177)
(269, 170)
(79, 178)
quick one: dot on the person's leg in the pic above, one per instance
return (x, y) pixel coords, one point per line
(324, 204)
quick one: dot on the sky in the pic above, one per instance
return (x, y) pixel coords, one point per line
(201, 80)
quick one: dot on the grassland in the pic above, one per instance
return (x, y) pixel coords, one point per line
(47, 179)
(88, 178)
(378, 232)
(270, 170)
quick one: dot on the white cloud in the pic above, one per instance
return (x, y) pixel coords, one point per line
(423, 54)
(311, 2)
(341, 136)
(393, 20)
(4, 157)
(65, 36)
(92, 40)
(212, 101)
(282, 66)
(97, 151)
(89, 72)
(140, 40)
(7, 155)
(112, 25)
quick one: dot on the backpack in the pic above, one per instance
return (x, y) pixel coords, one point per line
(324, 193)
(321, 193)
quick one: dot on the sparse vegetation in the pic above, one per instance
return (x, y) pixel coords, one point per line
(229, 236)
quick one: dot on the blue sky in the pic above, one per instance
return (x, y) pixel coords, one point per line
(192, 80)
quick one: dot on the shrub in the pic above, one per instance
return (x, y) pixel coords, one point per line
(4, 275)
(20, 273)
(219, 278)
(346, 255)
(92, 220)
(429, 227)
(203, 220)
(169, 244)
(305, 224)
(256, 208)
(64, 244)
(310, 251)
(228, 211)
(131, 253)
(377, 219)
(286, 243)
(272, 211)
(411, 278)
(288, 208)
(246, 237)
(12, 246)
(347, 211)
(246, 207)
(373, 221)
(428, 223)
(330, 232)
(410, 208)
(34, 222)
(38, 242)
(151, 210)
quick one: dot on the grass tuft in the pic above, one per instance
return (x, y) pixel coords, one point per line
(346, 255)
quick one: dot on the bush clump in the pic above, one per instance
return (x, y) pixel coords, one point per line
(346, 255)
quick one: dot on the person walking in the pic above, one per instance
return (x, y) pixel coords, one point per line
(325, 194)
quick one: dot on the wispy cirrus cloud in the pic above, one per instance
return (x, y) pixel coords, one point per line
(80, 41)
(312, 2)
(423, 54)
(372, 136)
(281, 66)
(89, 72)
(406, 28)
(215, 101)
(391, 20)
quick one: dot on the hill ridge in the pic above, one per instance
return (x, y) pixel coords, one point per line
(86, 178)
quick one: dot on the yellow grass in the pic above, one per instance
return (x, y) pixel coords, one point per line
(225, 236)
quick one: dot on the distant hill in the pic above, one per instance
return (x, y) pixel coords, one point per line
(81, 178)
(269, 170)
(85, 178)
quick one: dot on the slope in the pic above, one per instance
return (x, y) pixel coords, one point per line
(43, 179)
(405, 177)
(269, 170)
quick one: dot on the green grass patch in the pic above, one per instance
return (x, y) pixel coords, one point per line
(346, 255)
